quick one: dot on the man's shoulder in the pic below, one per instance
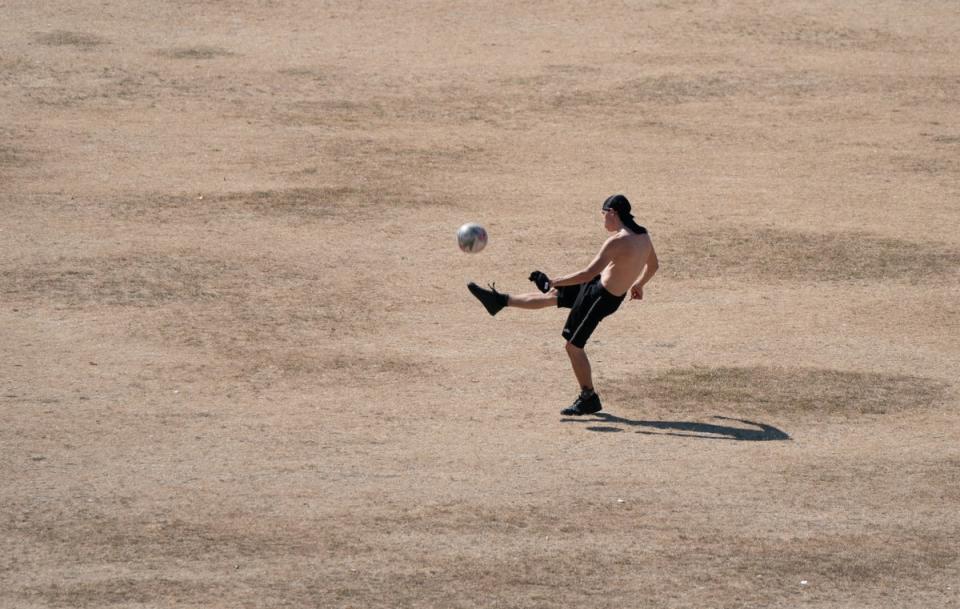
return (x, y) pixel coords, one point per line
(626, 243)
(628, 237)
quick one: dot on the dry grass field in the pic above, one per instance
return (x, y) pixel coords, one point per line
(240, 367)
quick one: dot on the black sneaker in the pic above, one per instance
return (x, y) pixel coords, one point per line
(492, 300)
(584, 404)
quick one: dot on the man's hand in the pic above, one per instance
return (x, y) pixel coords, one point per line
(542, 281)
(636, 292)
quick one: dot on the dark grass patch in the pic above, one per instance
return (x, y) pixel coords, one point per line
(266, 317)
(301, 202)
(447, 105)
(458, 518)
(87, 534)
(125, 591)
(60, 38)
(549, 93)
(519, 99)
(530, 81)
(774, 390)
(11, 68)
(515, 555)
(570, 69)
(102, 87)
(730, 571)
(11, 156)
(802, 32)
(783, 255)
(272, 328)
(824, 35)
(315, 74)
(84, 536)
(333, 112)
(931, 479)
(195, 52)
(676, 88)
(254, 291)
(136, 280)
(834, 561)
(385, 365)
(947, 139)
(911, 554)
(294, 204)
(391, 157)
(269, 360)
(927, 166)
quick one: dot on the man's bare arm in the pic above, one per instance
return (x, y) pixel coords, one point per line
(636, 292)
(599, 263)
(650, 269)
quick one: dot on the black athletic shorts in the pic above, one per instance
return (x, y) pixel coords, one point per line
(588, 303)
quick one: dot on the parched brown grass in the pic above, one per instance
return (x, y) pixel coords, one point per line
(59, 38)
(93, 532)
(195, 52)
(15, 69)
(314, 73)
(831, 561)
(799, 32)
(932, 477)
(118, 590)
(270, 312)
(135, 280)
(11, 156)
(778, 390)
(286, 324)
(927, 166)
(239, 367)
(770, 254)
(296, 204)
(947, 139)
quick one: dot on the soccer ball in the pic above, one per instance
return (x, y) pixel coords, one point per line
(472, 238)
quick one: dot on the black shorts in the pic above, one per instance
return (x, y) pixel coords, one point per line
(588, 304)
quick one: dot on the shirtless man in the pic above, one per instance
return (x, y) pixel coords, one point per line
(625, 263)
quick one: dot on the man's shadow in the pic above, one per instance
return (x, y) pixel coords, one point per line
(762, 433)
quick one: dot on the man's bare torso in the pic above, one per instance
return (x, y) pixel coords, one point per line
(629, 253)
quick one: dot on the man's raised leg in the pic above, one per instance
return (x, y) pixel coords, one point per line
(494, 301)
(533, 300)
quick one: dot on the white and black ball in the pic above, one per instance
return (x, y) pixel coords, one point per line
(472, 238)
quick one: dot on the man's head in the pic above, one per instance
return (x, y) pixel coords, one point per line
(611, 221)
(616, 215)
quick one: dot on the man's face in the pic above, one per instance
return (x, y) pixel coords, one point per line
(610, 220)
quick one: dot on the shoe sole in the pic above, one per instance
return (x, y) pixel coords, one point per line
(567, 412)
